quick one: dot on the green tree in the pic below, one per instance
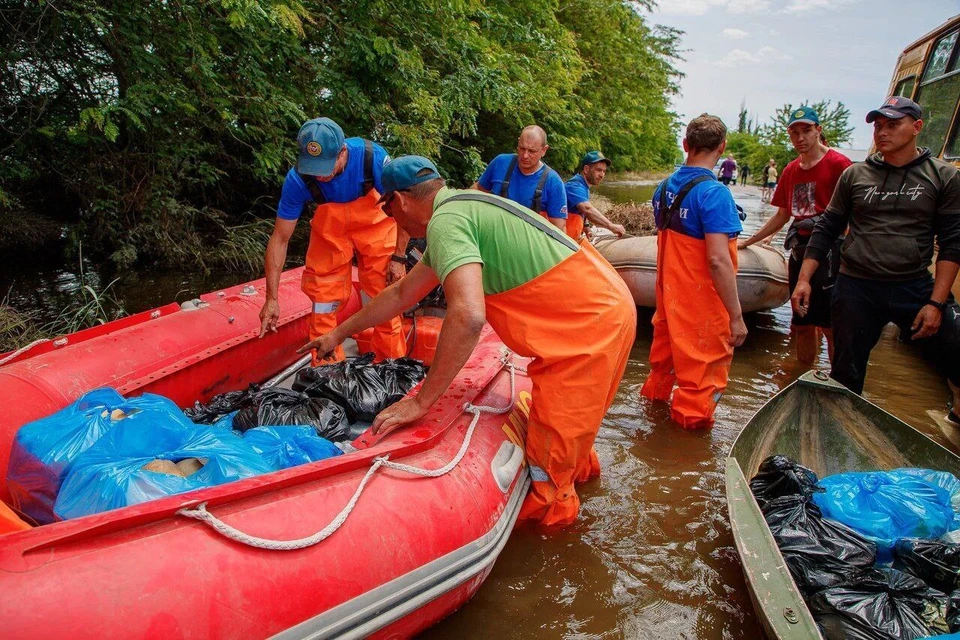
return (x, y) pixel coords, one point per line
(834, 118)
(152, 130)
(743, 124)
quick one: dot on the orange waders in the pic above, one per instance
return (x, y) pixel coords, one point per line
(336, 231)
(690, 332)
(580, 349)
(574, 225)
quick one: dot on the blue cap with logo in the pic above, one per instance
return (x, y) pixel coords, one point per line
(320, 141)
(593, 157)
(404, 172)
(805, 115)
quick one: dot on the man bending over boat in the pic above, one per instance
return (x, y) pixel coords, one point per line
(895, 204)
(593, 168)
(340, 180)
(804, 191)
(526, 179)
(698, 321)
(503, 264)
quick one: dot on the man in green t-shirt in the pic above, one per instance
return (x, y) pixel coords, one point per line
(502, 263)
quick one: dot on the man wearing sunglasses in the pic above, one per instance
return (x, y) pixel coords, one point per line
(503, 264)
(340, 181)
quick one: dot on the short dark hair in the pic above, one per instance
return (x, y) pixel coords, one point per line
(705, 132)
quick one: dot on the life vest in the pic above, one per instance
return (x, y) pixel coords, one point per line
(537, 193)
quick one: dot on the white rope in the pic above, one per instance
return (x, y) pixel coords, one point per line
(22, 350)
(200, 512)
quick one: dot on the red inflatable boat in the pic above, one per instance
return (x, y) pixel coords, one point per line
(406, 549)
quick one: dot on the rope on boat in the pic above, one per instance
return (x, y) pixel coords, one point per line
(200, 512)
(23, 350)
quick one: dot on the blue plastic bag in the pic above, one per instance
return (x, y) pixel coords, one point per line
(885, 506)
(110, 474)
(284, 447)
(42, 450)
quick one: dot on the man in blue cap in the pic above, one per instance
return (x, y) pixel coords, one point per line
(503, 264)
(524, 178)
(593, 168)
(340, 179)
(802, 195)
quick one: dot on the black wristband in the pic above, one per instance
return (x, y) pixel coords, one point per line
(400, 259)
(938, 305)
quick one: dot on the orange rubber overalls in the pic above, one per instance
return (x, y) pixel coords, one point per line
(691, 327)
(337, 231)
(577, 321)
(574, 225)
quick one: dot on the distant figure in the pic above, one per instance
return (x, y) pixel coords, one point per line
(727, 169)
(524, 178)
(805, 190)
(593, 168)
(769, 180)
(744, 172)
(891, 207)
(698, 321)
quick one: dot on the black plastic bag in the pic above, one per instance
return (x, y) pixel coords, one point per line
(953, 612)
(883, 604)
(283, 407)
(399, 375)
(936, 563)
(353, 383)
(819, 553)
(220, 405)
(781, 476)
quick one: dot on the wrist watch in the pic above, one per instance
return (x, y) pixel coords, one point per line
(400, 259)
(939, 305)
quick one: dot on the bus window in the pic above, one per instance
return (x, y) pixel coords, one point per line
(939, 93)
(941, 57)
(952, 152)
(906, 86)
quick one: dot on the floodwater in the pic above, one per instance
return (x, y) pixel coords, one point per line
(652, 555)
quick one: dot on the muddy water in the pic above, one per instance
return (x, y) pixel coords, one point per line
(652, 555)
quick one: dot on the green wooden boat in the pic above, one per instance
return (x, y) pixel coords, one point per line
(829, 429)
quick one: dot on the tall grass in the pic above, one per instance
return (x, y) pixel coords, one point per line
(17, 328)
(243, 246)
(87, 308)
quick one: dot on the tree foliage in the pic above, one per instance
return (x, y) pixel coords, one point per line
(153, 128)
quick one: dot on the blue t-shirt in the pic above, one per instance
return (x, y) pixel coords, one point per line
(346, 187)
(708, 208)
(578, 192)
(553, 200)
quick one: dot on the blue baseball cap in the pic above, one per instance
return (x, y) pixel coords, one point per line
(805, 115)
(320, 141)
(593, 157)
(404, 172)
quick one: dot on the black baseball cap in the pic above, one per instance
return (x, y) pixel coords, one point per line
(896, 107)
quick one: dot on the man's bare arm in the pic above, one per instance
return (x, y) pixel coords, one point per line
(274, 260)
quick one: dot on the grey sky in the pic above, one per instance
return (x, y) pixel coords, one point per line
(770, 52)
